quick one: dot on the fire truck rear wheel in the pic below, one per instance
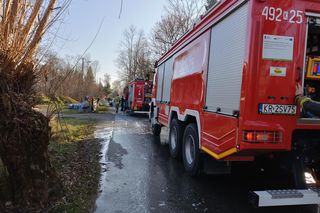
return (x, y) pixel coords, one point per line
(156, 129)
(175, 139)
(151, 112)
(190, 150)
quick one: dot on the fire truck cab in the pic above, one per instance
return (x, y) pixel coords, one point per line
(227, 89)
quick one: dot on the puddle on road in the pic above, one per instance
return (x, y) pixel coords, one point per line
(104, 133)
(133, 127)
(115, 153)
(112, 153)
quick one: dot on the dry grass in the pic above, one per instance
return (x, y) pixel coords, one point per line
(75, 156)
(71, 129)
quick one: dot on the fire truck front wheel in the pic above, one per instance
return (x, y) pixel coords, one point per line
(190, 150)
(156, 129)
(175, 138)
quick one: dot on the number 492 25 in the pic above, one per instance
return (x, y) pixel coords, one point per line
(279, 15)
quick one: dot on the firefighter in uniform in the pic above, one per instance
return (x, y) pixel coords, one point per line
(309, 106)
(117, 103)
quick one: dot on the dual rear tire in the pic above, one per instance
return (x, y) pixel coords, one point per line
(185, 142)
(175, 138)
(156, 129)
(191, 151)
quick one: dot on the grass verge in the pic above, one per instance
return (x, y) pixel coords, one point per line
(63, 109)
(66, 130)
(102, 108)
(45, 100)
(75, 156)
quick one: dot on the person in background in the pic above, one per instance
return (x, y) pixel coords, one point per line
(122, 103)
(117, 102)
(126, 101)
(311, 92)
(309, 107)
(84, 105)
(91, 104)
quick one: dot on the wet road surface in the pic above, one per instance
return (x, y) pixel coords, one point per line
(139, 176)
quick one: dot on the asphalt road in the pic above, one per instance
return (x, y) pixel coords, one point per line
(139, 176)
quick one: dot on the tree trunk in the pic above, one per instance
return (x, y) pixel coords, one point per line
(24, 140)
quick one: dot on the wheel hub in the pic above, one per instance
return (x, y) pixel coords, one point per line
(190, 149)
(173, 138)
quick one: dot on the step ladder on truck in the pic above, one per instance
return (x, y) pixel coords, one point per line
(226, 89)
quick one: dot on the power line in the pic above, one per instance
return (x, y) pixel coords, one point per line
(80, 58)
(121, 9)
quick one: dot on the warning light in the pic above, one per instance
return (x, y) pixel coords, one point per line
(262, 137)
(315, 68)
(249, 136)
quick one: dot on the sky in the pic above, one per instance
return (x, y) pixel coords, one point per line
(82, 21)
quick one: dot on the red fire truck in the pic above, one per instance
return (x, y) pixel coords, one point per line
(226, 89)
(140, 92)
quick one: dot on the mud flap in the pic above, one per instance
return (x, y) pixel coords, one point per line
(211, 166)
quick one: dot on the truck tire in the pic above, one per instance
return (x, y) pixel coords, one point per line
(151, 112)
(190, 150)
(156, 129)
(298, 170)
(175, 139)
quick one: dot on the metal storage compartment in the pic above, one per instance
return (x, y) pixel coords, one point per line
(227, 52)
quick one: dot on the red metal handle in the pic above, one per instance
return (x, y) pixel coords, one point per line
(298, 74)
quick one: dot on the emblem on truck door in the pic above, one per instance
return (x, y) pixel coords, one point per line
(278, 71)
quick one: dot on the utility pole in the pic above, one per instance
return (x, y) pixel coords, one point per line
(82, 75)
(82, 66)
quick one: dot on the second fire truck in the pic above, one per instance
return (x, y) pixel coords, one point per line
(139, 96)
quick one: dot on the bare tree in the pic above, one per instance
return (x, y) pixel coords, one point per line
(210, 4)
(25, 133)
(164, 34)
(117, 87)
(185, 12)
(107, 79)
(134, 56)
(60, 78)
(125, 57)
(90, 82)
(180, 16)
(107, 84)
(51, 74)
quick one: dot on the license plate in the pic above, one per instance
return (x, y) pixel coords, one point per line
(277, 109)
